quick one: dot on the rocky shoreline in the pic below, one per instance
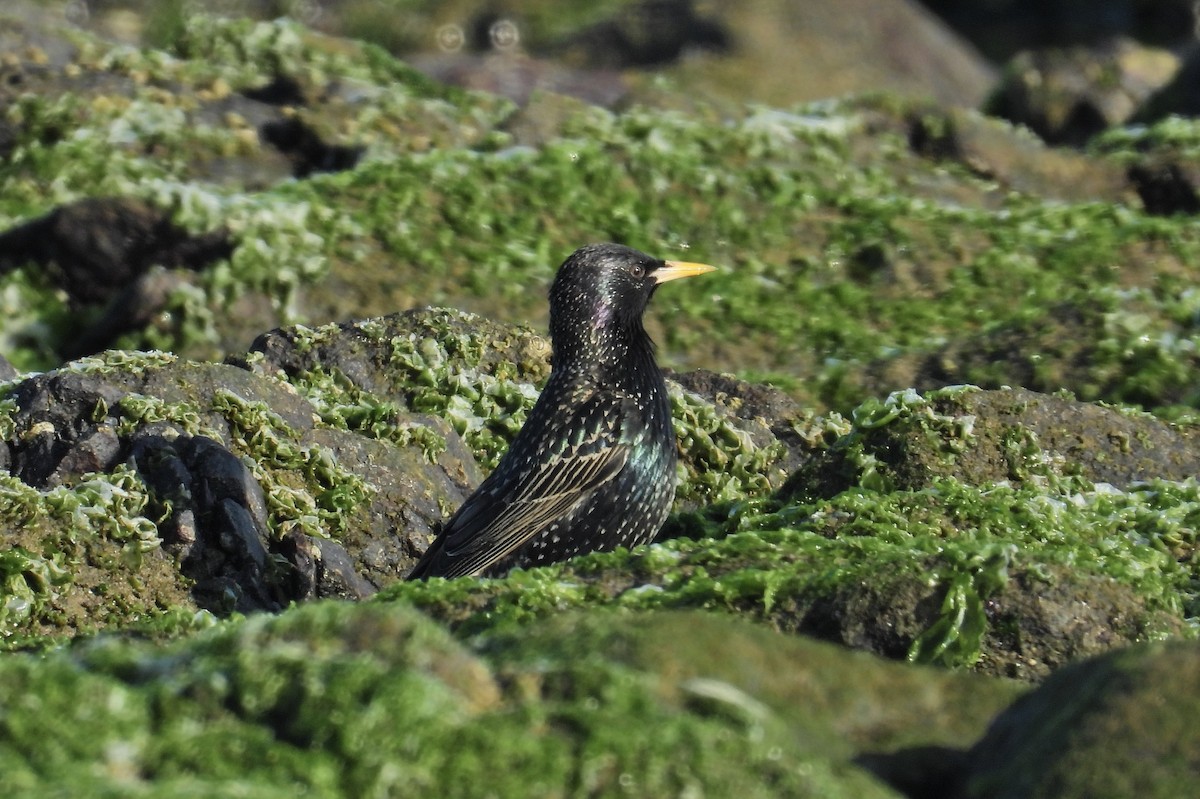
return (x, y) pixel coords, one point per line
(936, 526)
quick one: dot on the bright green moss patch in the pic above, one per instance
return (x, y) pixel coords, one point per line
(80, 557)
(334, 700)
(279, 455)
(1174, 133)
(850, 263)
(952, 549)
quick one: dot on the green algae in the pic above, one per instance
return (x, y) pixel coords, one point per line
(337, 700)
(836, 256)
(345, 406)
(322, 504)
(1174, 133)
(99, 521)
(774, 561)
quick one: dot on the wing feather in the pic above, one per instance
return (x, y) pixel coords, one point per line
(509, 509)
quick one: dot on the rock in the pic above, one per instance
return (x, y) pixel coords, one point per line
(1180, 97)
(377, 693)
(645, 34)
(1002, 29)
(1015, 160)
(239, 480)
(1167, 186)
(1120, 725)
(308, 152)
(111, 252)
(7, 371)
(1005, 436)
(1067, 96)
(781, 52)
(96, 248)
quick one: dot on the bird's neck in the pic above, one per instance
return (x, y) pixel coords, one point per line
(614, 354)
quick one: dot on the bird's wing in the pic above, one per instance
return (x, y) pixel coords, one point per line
(506, 513)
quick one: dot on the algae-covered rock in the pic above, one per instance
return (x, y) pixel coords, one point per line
(140, 485)
(1120, 725)
(908, 442)
(1018, 564)
(334, 699)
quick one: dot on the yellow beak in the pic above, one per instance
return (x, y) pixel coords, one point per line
(677, 269)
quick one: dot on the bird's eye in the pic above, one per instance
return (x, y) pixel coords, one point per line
(638, 271)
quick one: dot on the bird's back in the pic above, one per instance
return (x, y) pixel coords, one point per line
(592, 469)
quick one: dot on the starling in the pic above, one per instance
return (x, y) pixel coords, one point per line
(594, 466)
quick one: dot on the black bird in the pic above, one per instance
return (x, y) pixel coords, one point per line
(594, 466)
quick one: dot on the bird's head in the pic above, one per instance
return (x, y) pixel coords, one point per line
(601, 292)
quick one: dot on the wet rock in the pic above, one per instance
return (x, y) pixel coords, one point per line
(239, 475)
(1014, 159)
(94, 248)
(1067, 96)
(1167, 186)
(1120, 725)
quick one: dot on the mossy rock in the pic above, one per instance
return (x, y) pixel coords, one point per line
(1124, 724)
(335, 699)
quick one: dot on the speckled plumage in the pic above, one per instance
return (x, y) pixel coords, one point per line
(594, 466)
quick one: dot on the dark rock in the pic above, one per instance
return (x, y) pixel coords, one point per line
(98, 450)
(212, 512)
(1067, 96)
(337, 574)
(1167, 186)
(308, 152)
(282, 90)
(58, 412)
(323, 568)
(645, 34)
(94, 248)
(225, 478)
(1120, 725)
